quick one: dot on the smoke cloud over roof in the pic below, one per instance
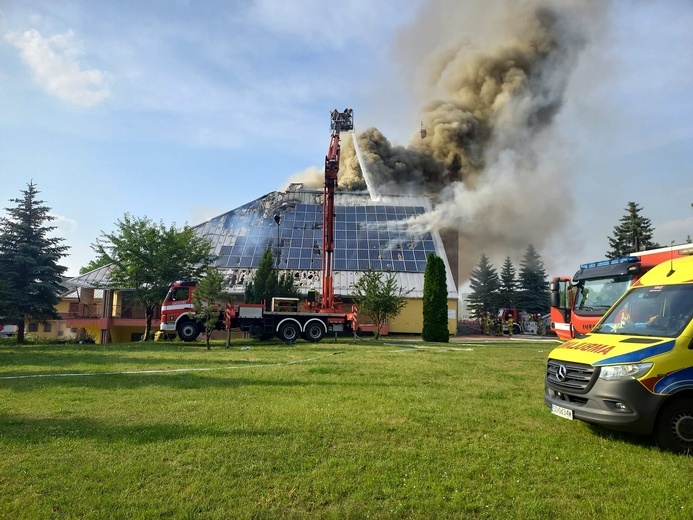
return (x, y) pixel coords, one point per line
(488, 159)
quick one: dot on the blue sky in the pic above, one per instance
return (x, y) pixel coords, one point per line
(180, 111)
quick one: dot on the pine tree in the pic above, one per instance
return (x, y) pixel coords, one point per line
(29, 262)
(634, 233)
(268, 283)
(533, 296)
(508, 284)
(263, 285)
(485, 285)
(435, 301)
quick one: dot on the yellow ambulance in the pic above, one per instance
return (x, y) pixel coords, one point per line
(634, 371)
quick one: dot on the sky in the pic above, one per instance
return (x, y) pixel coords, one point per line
(180, 111)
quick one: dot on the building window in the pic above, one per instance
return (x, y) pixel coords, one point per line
(33, 327)
(47, 327)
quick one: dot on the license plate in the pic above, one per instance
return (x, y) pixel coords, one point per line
(566, 413)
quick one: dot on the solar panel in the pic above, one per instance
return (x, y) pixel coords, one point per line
(366, 236)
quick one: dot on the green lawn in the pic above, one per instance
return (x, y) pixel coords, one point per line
(337, 430)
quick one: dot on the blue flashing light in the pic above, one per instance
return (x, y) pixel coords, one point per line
(622, 260)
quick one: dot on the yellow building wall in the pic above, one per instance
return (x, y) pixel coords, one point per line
(117, 303)
(124, 334)
(410, 320)
(63, 306)
(58, 330)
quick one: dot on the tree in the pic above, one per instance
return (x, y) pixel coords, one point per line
(29, 262)
(208, 299)
(485, 284)
(435, 301)
(634, 233)
(268, 283)
(508, 284)
(533, 296)
(147, 257)
(379, 298)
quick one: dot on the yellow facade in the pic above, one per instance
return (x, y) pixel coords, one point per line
(410, 320)
(120, 330)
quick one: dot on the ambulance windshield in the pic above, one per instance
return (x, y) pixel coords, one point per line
(662, 311)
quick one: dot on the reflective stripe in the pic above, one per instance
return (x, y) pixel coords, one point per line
(176, 306)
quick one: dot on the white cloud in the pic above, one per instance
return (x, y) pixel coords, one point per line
(53, 61)
(64, 225)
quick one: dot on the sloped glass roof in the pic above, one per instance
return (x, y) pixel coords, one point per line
(367, 234)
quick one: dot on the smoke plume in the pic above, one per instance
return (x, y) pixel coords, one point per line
(488, 160)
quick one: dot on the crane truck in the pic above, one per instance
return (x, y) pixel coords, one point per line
(579, 302)
(286, 318)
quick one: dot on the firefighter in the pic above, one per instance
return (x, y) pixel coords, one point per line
(499, 325)
(510, 326)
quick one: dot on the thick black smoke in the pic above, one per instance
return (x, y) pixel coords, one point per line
(488, 161)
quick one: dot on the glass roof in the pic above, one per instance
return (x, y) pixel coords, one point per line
(366, 236)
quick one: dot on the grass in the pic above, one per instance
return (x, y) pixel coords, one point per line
(386, 430)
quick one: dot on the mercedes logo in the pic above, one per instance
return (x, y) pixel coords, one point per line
(561, 373)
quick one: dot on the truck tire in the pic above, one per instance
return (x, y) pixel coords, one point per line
(189, 330)
(289, 332)
(314, 332)
(674, 428)
(516, 328)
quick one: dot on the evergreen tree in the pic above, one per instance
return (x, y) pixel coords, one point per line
(435, 301)
(29, 262)
(485, 285)
(508, 284)
(268, 283)
(533, 296)
(634, 233)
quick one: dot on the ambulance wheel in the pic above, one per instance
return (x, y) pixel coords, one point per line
(314, 332)
(189, 330)
(674, 428)
(289, 332)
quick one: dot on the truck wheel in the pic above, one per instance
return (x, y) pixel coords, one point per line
(314, 332)
(516, 328)
(289, 332)
(189, 330)
(674, 428)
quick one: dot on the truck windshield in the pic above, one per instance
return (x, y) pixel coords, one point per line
(600, 293)
(662, 311)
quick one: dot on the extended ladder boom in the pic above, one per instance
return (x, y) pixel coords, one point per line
(341, 122)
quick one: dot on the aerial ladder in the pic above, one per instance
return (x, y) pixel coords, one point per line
(341, 122)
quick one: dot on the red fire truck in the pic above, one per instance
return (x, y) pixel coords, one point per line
(287, 317)
(579, 302)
